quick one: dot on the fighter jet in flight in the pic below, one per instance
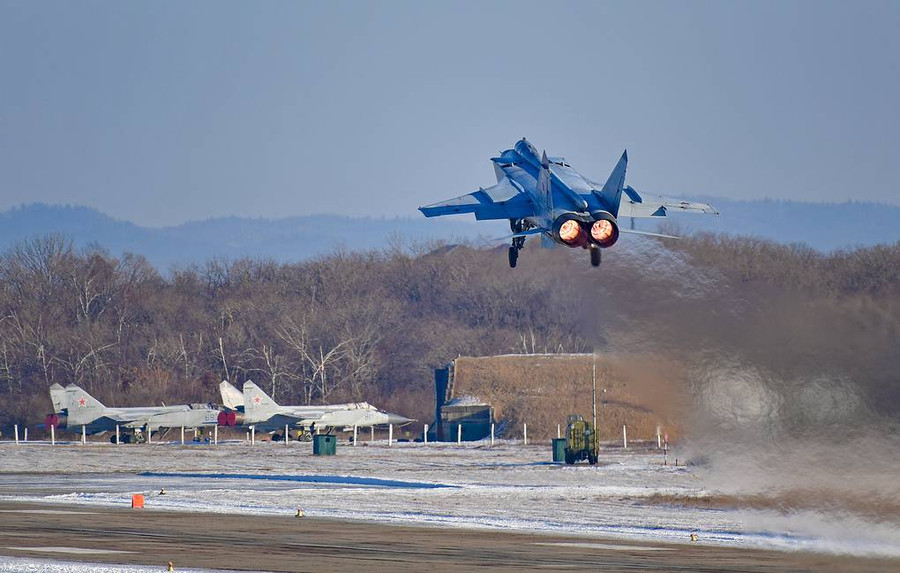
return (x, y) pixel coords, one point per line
(75, 409)
(255, 408)
(544, 196)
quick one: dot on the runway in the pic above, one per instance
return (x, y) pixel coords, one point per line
(278, 543)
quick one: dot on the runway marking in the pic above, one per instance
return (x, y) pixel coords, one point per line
(608, 546)
(48, 511)
(70, 550)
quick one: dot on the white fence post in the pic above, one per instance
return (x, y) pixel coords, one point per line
(372, 436)
(216, 435)
(355, 434)
(252, 434)
(182, 435)
(658, 439)
(286, 435)
(425, 435)
(52, 435)
(16, 429)
(525, 433)
(624, 437)
(390, 435)
(118, 435)
(83, 435)
(26, 433)
(492, 433)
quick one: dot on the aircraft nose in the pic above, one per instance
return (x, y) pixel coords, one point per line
(398, 420)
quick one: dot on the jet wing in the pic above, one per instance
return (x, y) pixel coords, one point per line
(502, 201)
(635, 205)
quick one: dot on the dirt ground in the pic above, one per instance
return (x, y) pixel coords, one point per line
(253, 543)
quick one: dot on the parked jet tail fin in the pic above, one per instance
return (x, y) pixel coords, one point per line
(232, 398)
(58, 398)
(257, 404)
(82, 407)
(611, 194)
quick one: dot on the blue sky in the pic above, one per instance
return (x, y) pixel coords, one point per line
(162, 112)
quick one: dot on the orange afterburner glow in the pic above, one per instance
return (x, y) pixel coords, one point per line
(570, 231)
(602, 230)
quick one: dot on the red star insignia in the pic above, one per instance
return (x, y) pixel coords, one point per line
(257, 400)
(82, 402)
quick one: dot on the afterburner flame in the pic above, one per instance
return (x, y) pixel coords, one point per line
(569, 231)
(602, 230)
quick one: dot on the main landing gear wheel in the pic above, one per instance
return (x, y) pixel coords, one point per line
(595, 257)
(513, 257)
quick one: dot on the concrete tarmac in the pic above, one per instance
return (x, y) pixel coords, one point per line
(254, 543)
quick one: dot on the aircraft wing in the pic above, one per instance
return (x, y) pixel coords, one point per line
(502, 201)
(634, 205)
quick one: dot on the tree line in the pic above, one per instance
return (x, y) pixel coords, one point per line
(372, 325)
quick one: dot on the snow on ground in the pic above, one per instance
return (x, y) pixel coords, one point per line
(26, 565)
(509, 486)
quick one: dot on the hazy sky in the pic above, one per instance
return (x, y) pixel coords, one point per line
(161, 112)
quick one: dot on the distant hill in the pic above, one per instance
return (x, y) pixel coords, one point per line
(823, 226)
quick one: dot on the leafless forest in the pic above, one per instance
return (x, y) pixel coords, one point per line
(371, 325)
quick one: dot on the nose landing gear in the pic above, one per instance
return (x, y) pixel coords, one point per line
(595, 256)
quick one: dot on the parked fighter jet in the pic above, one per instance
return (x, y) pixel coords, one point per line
(543, 195)
(75, 409)
(255, 408)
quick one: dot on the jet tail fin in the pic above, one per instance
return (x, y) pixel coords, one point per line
(58, 398)
(611, 194)
(258, 405)
(232, 398)
(82, 407)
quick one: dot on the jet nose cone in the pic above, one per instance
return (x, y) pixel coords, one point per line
(398, 420)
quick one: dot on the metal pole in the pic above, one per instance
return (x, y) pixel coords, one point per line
(558, 431)
(658, 439)
(525, 433)
(216, 435)
(624, 437)
(83, 435)
(492, 433)
(372, 429)
(459, 433)
(390, 434)
(596, 433)
(149, 435)
(26, 433)
(425, 435)
(182, 435)
(286, 435)
(252, 434)
(16, 429)
(118, 436)
(52, 435)
(355, 434)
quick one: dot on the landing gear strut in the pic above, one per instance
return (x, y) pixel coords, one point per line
(595, 257)
(516, 226)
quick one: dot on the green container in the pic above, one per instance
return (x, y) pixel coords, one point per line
(324, 445)
(559, 450)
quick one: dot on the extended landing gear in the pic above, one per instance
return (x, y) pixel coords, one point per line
(516, 226)
(595, 257)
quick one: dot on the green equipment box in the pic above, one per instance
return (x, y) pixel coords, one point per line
(324, 445)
